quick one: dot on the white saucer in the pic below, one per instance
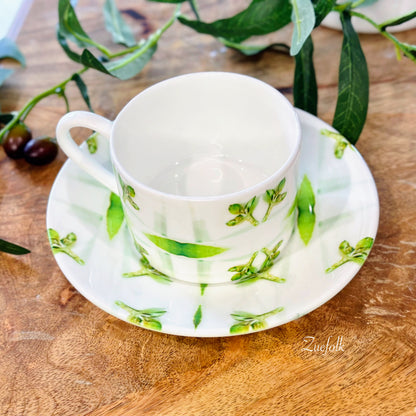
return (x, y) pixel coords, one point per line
(346, 208)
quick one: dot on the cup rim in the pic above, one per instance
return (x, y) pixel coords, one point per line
(290, 161)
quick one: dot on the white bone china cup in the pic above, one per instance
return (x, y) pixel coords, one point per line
(205, 166)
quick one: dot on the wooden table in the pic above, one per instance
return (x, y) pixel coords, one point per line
(61, 355)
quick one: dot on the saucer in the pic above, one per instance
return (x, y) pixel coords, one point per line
(346, 220)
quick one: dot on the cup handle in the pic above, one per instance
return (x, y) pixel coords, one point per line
(82, 159)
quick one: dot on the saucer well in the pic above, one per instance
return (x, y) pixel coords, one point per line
(318, 262)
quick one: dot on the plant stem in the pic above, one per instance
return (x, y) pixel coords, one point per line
(151, 41)
(23, 113)
(387, 35)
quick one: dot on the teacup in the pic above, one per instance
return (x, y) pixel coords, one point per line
(205, 166)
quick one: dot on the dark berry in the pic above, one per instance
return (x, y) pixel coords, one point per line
(40, 151)
(15, 140)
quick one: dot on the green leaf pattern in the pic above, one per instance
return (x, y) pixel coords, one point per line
(357, 254)
(146, 318)
(63, 245)
(249, 272)
(246, 320)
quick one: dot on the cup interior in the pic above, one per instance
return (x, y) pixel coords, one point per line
(205, 134)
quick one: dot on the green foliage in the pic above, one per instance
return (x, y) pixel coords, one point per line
(341, 143)
(146, 318)
(116, 25)
(63, 245)
(197, 316)
(305, 201)
(357, 254)
(249, 272)
(7, 247)
(303, 19)
(243, 212)
(261, 17)
(195, 251)
(147, 269)
(305, 89)
(353, 85)
(246, 320)
(274, 197)
(115, 215)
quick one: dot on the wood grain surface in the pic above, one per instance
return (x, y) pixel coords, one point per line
(61, 355)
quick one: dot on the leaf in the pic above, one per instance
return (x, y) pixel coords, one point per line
(82, 89)
(89, 60)
(115, 215)
(116, 25)
(152, 324)
(64, 44)
(203, 286)
(303, 18)
(195, 251)
(69, 25)
(305, 200)
(4, 74)
(198, 316)
(322, 8)
(260, 17)
(250, 50)
(131, 64)
(239, 328)
(7, 247)
(305, 89)
(353, 85)
(92, 143)
(9, 49)
(365, 243)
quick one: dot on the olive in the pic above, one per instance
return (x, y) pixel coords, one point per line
(40, 151)
(15, 140)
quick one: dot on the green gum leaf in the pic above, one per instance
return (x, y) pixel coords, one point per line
(303, 18)
(82, 89)
(185, 249)
(259, 18)
(305, 89)
(322, 8)
(115, 215)
(7, 247)
(353, 85)
(69, 25)
(250, 50)
(305, 200)
(116, 25)
(131, 64)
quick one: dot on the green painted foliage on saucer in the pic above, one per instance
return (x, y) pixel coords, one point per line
(305, 202)
(197, 317)
(195, 251)
(147, 318)
(357, 254)
(247, 320)
(115, 215)
(63, 245)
